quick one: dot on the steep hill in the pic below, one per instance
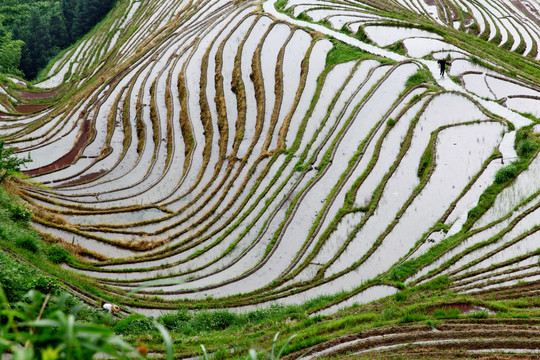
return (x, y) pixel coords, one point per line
(241, 153)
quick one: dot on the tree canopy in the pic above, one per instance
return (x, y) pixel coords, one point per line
(34, 31)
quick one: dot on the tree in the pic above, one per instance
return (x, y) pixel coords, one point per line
(37, 49)
(10, 51)
(10, 164)
(10, 54)
(68, 10)
(57, 28)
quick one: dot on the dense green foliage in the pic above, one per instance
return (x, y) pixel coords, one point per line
(34, 31)
(38, 327)
(17, 279)
(9, 163)
(10, 51)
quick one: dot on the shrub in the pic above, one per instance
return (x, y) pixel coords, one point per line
(202, 321)
(17, 279)
(28, 242)
(9, 163)
(19, 213)
(213, 320)
(222, 319)
(135, 325)
(57, 254)
(400, 296)
(422, 76)
(46, 285)
(175, 321)
(506, 174)
(526, 142)
(525, 148)
(304, 17)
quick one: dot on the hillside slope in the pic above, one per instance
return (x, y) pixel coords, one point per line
(251, 153)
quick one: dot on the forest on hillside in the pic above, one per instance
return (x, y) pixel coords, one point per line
(34, 31)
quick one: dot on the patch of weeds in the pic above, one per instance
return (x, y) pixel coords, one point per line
(412, 317)
(135, 325)
(400, 296)
(362, 36)
(397, 47)
(527, 145)
(438, 283)
(342, 52)
(422, 76)
(57, 254)
(506, 174)
(28, 242)
(17, 279)
(425, 162)
(526, 142)
(280, 4)
(479, 315)
(313, 320)
(530, 116)
(390, 313)
(19, 213)
(320, 301)
(446, 313)
(304, 17)
(431, 323)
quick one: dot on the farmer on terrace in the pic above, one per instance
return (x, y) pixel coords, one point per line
(442, 64)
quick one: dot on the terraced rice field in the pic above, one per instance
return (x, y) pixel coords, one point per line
(241, 154)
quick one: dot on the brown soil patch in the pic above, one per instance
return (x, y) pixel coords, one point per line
(85, 136)
(30, 109)
(30, 95)
(86, 178)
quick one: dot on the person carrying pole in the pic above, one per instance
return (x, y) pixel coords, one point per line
(442, 65)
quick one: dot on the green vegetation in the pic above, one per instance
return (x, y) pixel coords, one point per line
(38, 327)
(422, 76)
(342, 52)
(397, 47)
(9, 163)
(226, 333)
(362, 36)
(527, 145)
(57, 254)
(507, 173)
(18, 279)
(10, 52)
(34, 31)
